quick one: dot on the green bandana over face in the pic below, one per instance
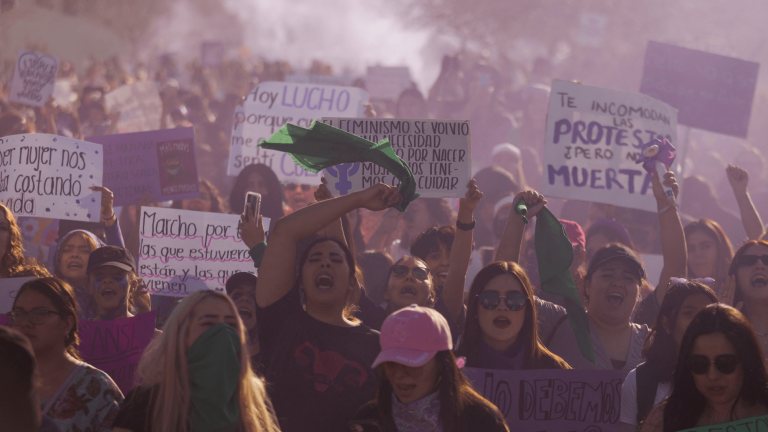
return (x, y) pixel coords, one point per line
(554, 252)
(322, 146)
(214, 371)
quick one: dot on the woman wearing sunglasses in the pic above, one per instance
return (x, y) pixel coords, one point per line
(719, 376)
(74, 394)
(747, 286)
(651, 382)
(501, 330)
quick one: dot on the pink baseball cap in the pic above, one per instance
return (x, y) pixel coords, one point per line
(575, 233)
(412, 336)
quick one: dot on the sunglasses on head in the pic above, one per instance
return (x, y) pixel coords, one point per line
(725, 363)
(419, 273)
(682, 281)
(294, 186)
(490, 300)
(749, 260)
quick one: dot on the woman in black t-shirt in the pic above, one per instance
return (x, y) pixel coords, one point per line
(316, 356)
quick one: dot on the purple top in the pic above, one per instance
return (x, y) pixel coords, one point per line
(513, 359)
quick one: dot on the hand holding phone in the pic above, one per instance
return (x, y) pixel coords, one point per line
(253, 200)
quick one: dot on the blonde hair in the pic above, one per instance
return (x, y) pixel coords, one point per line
(164, 363)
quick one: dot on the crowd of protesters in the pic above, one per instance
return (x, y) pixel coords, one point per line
(361, 317)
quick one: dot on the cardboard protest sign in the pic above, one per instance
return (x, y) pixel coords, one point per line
(8, 289)
(387, 82)
(184, 251)
(160, 162)
(33, 78)
(273, 104)
(594, 136)
(211, 53)
(437, 151)
(49, 176)
(115, 346)
(752, 424)
(139, 106)
(552, 400)
(711, 92)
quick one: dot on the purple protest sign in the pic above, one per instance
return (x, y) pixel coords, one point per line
(116, 346)
(160, 162)
(710, 91)
(552, 400)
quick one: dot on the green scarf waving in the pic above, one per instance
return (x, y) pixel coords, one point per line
(554, 252)
(322, 146)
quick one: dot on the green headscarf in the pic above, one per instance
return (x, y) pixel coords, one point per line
(214, 371)
(322, 146)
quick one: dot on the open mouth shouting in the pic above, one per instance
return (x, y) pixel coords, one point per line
(615, 298)
(759, 280)
(408, 290)
(501, 322)
(75, 265)
(324, 281)
(108, 293)
(245, 313)
(404, 391)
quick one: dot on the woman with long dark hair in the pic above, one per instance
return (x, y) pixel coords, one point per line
(719, 376)
(651, 382)
(709, 251)
(421, 387)
(261, 179)
(12, 261)
(317, 356)
(502, 330)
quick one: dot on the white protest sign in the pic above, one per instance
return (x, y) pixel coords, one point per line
(273, 104)
(33, 78)
(387, 82)
(184, 251)
(49, 176)
(9, 287)
(139, 106)
(437, 151)
(319, 79)
(594, 136)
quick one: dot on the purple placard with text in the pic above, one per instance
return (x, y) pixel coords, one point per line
(116, 346)
(550, 400)
(710, 91)
(161, 163)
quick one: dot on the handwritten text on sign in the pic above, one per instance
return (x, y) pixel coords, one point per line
(594, 136)
(752, 424)
(552, 400)
(34, 78)
(49, 176)
(139, 106)
(9, 287)
(437, 151)
(273, 104)
(115, 346)
(712, 92)
(161, 163)
(184, 251)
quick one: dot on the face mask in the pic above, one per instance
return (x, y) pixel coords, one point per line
(214, 370)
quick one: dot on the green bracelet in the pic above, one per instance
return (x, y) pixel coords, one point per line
(257, 253)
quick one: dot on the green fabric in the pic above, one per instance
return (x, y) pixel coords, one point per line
(257, 253)
(214, 372)
(322, 146)
(554, 252)
(751, 424)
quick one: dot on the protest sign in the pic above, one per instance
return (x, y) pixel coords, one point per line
(33, 78)
(752, 424)
(711, 92)
(115, 346)
(387, 82)
(8, 289)
(437, 151)
(139, 106)
(552, 400)
(37, 236)
(273, 104)
(211, 53)
(314, 78)
(594, 136)
(184, 251)
(160, 162)
(49, 176)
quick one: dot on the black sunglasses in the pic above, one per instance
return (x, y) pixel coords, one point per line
(490, 300)
(749, 260)
(725, 363)
(419, 273)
